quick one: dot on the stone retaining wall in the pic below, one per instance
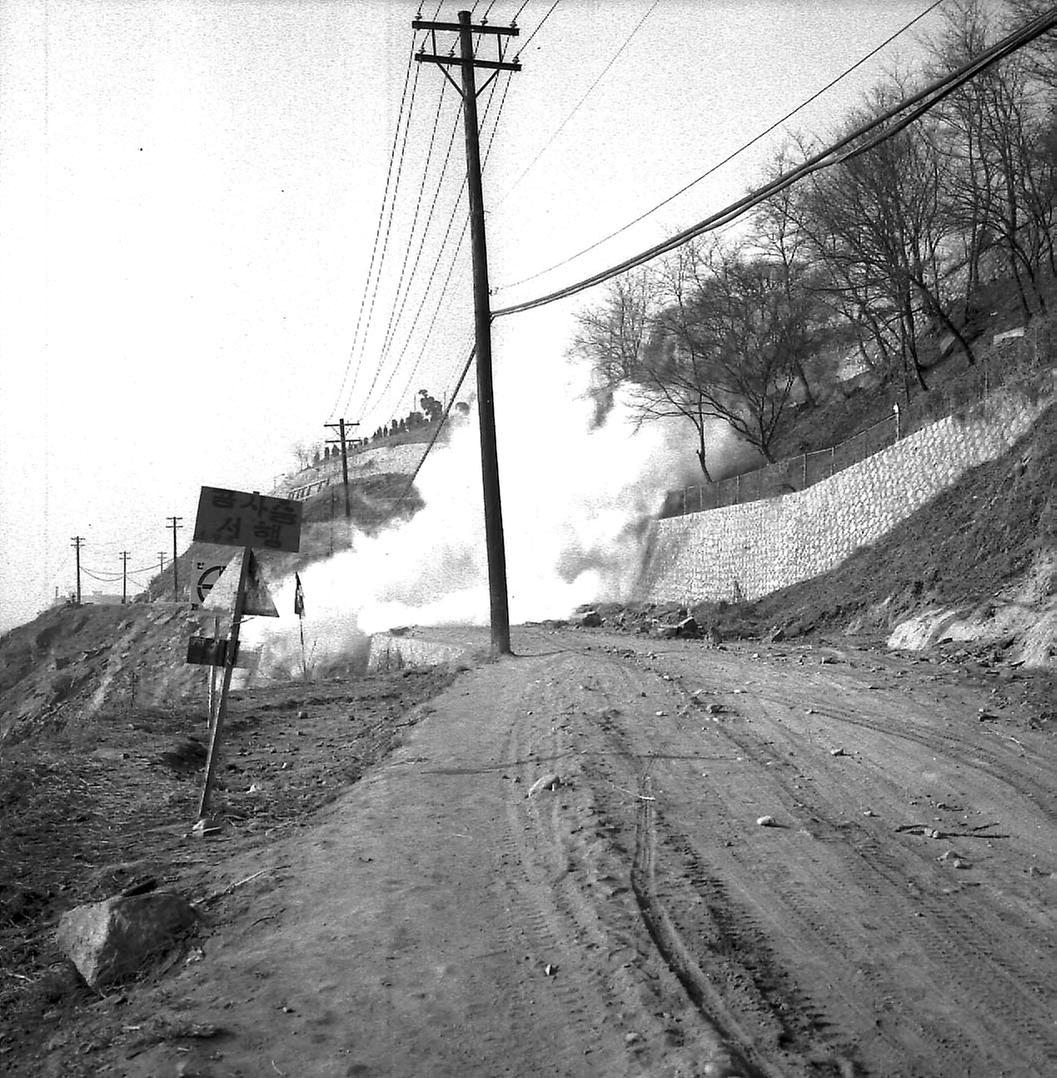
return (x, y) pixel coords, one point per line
(390, 652)
(746, 551)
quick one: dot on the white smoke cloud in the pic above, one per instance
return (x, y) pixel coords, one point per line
(576, 500)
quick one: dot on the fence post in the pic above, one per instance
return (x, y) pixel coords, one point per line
(803, 471)
(737, 490)
(832, 453)
(895, 408)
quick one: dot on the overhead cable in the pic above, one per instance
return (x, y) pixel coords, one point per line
(561, 127)
(388, 232)
(436, 266)
(730, 157)
(378, 229)
(458, 247)
(826, 158)
(436, 433)
(397, 307)
(539, 25)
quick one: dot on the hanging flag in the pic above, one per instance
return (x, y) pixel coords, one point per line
(299, 598)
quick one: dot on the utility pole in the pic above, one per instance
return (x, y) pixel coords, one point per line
(174, 523)
(161, 561)
(124, 555)
(77, 542)
(340, 428)
(493, 511)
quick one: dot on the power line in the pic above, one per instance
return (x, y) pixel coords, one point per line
(826, 158)
(401, 297)
(436, 433)
(378, 228)
(388, 230)
(433, 273)
(454, 261)
(730, 157)
(539, 25)
(576, 107)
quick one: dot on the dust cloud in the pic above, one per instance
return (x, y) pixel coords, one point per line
(577, 500)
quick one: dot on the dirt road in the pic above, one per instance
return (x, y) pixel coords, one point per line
(896, 916)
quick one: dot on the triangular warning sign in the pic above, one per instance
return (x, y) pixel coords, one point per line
(258, 600)
(222, 594)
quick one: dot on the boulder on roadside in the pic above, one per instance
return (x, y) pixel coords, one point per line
(689, 628)
(663, 631)
(589, 619)
(550, 781)
(120, 938)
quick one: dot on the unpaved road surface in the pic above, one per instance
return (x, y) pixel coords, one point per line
(897, 918)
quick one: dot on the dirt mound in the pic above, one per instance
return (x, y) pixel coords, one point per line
(70, 662)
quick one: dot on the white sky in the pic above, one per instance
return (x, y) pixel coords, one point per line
(189, 192)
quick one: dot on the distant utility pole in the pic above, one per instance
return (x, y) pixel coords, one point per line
(161, 562)
(124, 555)
(340, 428)
(493, 510)
(78, 541)
(174, 523)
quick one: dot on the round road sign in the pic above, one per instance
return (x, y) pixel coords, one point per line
(207, 580)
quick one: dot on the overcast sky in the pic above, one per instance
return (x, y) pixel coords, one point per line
(190, 192)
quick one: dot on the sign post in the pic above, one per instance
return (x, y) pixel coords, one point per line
(235, 518)
(221, 709)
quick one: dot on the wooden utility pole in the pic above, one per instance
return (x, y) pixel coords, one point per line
(78, 542)
(340, 428)
(493, 510)
(124, 555)
(174, 523)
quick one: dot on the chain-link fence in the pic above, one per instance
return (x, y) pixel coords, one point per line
(1013, 357)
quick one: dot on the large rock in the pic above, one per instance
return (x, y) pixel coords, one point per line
(117, 939)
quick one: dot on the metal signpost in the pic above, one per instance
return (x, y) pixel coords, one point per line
(236, 518)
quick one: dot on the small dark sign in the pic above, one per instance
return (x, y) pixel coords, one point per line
(205, 651)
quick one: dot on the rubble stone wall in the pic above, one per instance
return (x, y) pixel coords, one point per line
(746, 551)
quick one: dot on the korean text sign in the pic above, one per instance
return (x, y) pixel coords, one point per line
(235, 518)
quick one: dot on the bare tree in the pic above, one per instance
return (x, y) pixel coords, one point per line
(997, 132)
(612, 335)
(730, 341)
(875, 222)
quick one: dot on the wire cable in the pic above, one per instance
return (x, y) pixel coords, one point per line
(730, 157)
(458, 247)
(539, 25)
(462, 236)
(378, 229)
(436, 434)
(561, 127)
(388, 233)
(436, 266)
(397, 306)
(824, 159)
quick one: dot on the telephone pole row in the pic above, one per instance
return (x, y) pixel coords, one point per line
(174, 523)
(493, 511)
(77, 541)
(340, 440)
(124, 556)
